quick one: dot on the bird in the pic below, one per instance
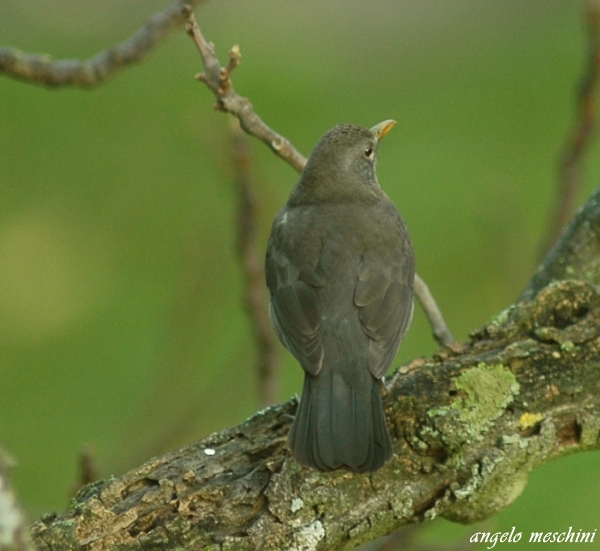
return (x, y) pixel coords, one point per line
(340, 271)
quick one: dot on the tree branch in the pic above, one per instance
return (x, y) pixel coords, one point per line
(575, 255)
(255, 294)
(468, 424)
(43, 69)
(438, 325)
(218, 80)
(570, 173)
(468, 427)
(88, 470)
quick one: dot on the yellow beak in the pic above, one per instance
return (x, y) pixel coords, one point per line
(380, 130)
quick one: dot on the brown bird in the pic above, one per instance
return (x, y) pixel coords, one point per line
(340, 270)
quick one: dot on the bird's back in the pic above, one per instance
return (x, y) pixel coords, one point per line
(340, 272)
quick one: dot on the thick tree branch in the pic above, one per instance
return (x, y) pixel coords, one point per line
(43, 69)
(468, 427)
(576, 255)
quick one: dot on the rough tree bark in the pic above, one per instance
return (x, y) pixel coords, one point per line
(469, 424)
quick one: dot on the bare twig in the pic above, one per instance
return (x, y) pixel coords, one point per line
(434, 315)
(43, 69)
(255, 291)
(570, 171)
(217, 78)
(88, 469)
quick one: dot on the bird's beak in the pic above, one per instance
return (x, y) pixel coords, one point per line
(381, 129)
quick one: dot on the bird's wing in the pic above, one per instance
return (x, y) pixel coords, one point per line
(295, 308)
(385, 300)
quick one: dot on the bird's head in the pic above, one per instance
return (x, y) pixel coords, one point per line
(342, 166)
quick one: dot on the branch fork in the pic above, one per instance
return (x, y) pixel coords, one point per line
(218, 80)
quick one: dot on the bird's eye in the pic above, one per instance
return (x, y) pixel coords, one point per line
(369, 152)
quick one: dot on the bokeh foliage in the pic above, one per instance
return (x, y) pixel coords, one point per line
(120, 295)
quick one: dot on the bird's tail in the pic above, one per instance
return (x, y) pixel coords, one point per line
(340, 423)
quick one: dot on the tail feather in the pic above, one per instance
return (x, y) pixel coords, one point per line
(340, 423)
(302, 434)
(383, 449)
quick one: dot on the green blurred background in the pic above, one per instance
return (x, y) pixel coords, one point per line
(121, 325)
